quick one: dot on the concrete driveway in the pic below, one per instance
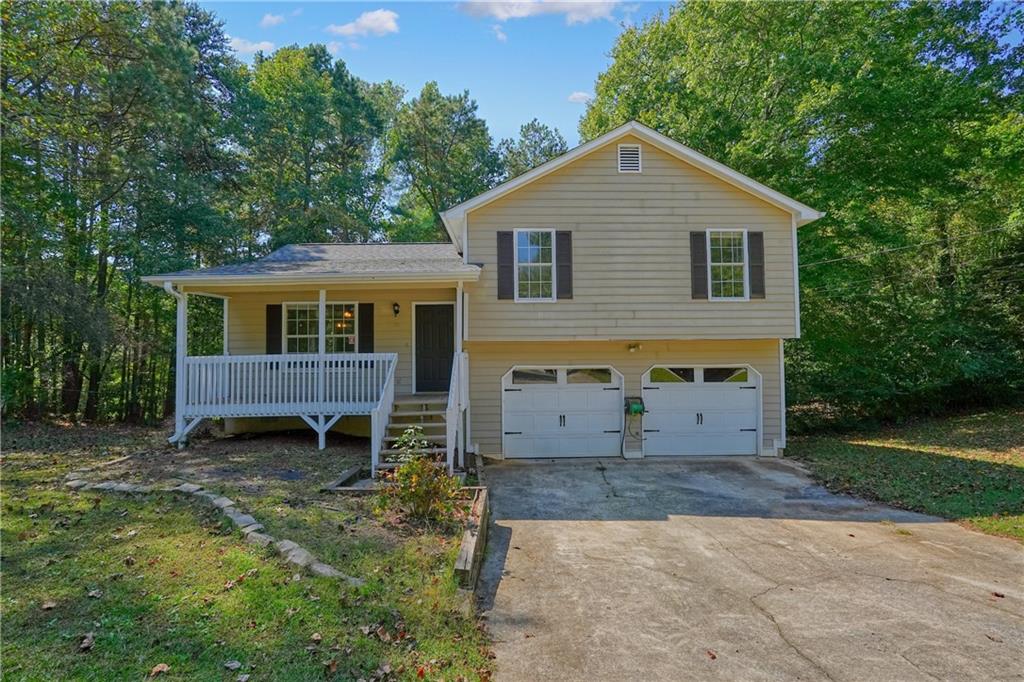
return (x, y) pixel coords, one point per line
(736, 569)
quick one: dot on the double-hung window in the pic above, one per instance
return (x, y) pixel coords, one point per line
(727, 264)
(535, 265)
(301, 330)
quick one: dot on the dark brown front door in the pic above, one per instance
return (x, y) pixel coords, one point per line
(435, 345)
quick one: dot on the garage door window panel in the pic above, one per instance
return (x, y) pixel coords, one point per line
(535, 265)
(731, 375)
(588, 375)
(534, 376)
(727, 264)
(672, 375)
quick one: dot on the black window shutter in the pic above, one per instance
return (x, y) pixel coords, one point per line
(506, 265)
(563, 265)
(698, 265)
(365, 328)
(273, 329)
(755, 251)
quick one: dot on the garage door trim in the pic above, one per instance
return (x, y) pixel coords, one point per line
(758, 383)
(620, 387)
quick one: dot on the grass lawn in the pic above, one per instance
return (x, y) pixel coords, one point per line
(967, 468)
(161, 580)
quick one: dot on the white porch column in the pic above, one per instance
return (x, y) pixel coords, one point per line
(459, 307)
(225, 334)
(180, 353)
(321, 375)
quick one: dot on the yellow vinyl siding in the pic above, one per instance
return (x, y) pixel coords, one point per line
(631, 254)
(489, 361)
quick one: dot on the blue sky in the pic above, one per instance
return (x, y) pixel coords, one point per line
(519, 60)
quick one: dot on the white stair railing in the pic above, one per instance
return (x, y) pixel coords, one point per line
(379, 418)
(457, 401)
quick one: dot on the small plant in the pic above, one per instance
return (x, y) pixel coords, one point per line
(419, 486)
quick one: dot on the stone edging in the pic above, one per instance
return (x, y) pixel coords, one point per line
(292, 552)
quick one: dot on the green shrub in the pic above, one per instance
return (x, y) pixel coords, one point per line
(419, 486)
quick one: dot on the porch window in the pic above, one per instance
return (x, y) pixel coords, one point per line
(301, 327)
(535, 265)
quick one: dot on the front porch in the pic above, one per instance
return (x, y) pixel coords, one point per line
(406, 364)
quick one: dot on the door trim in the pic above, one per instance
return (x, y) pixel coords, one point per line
(414, 304)
(758, 382)
(554, 365)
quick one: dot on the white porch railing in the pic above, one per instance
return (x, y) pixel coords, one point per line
(286, 385)
(458, 398)
(379, 418)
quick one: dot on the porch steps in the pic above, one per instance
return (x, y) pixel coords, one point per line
(428, 451)
(439, 438)
(426, 410)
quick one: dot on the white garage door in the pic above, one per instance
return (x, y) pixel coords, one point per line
(700, 411)
(562, 412)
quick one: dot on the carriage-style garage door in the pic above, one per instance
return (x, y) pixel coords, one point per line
(562, 412)
(700, 411)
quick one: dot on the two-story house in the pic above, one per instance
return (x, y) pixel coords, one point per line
(631, 267)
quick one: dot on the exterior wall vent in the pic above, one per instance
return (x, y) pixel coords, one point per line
(629, 158)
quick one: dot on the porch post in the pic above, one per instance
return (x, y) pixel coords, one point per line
(321, 374)
(460, 307)
(458, 317)
(225, 334)
(180, 352)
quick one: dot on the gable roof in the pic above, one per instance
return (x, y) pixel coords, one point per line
(455, 217)
(297, 263)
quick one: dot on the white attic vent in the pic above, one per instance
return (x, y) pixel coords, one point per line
(629, 158)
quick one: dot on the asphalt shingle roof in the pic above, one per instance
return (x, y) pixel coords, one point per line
(342, 260)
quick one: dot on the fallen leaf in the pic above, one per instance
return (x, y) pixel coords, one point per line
(421, 672)
(47, 605)
(244, 677)
(999, 595)
(87, 641)
(316, 637)
(712, 655)
(331, 666)
(158, 669)
(232, 665)
(994, 638)
(129, 561)
(95, 594)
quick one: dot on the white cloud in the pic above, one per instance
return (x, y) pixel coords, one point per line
(269, 20)
(580, 97)
(379, 22)
(499, 33)
(243, 46)
(336, 46)
(579, 12)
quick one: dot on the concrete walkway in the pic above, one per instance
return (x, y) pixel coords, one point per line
(736, 569)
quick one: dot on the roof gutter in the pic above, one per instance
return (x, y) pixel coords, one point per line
(167, 281)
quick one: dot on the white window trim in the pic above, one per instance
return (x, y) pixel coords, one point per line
(554, 265)
(284, 322)
(639, 158)
(746, 264)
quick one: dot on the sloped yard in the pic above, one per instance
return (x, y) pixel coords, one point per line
(101, 585)
(967, 468)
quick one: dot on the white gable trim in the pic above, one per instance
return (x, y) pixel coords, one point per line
(455, 218)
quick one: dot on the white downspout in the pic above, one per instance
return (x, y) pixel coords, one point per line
(181, 350)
